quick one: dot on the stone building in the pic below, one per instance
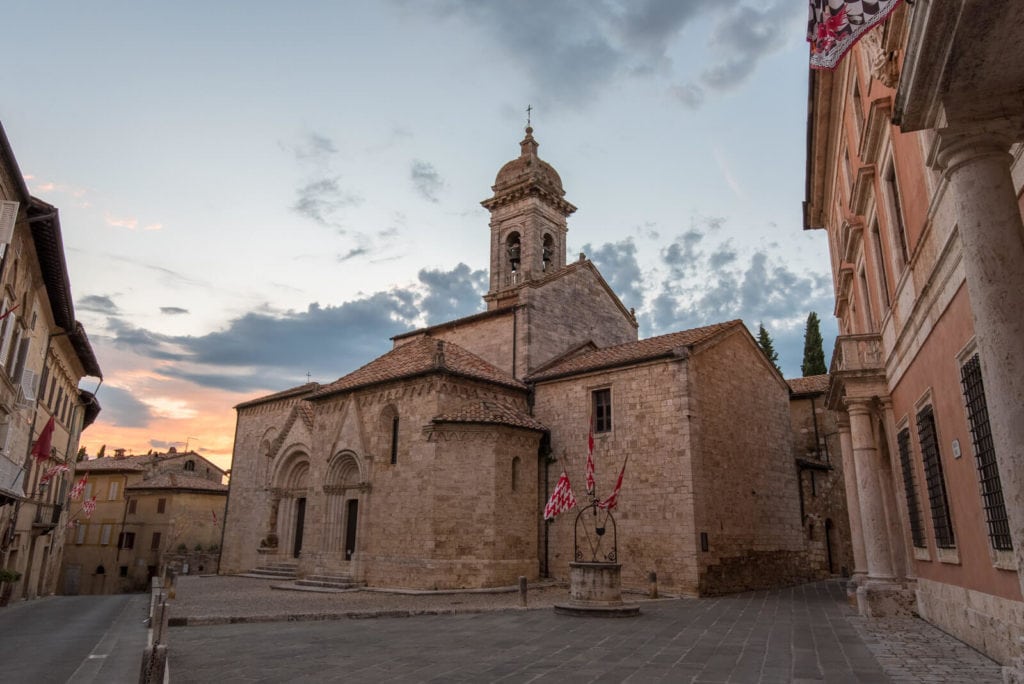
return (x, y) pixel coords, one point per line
(915, 175)
(44, 353)
(429, 467)
(151, 511)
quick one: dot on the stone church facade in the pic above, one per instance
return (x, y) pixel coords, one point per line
(429, 467)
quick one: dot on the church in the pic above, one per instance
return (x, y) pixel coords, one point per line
(429, 467)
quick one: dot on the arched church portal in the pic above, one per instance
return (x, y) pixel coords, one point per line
(345, 487)
(291, 485)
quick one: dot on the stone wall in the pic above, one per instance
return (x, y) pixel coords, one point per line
(747, 502)
(568, 310)
(650, 426)
(991, 624)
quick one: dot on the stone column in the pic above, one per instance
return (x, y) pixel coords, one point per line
(992, 235)
(899, 490)
(869, 484)
(860, 567)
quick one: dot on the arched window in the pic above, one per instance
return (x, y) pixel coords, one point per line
(515, 473)
(512, 248)
(389, 432)
(548, 252)
(394, 439)
(190, 465)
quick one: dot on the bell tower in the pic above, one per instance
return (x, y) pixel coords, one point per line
(528, 223)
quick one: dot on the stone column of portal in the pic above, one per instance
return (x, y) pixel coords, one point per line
(992, 236)
(852, 499)
(899, 492)
(872, 507)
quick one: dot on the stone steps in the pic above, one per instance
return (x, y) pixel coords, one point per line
(281, 570)
(331, 581)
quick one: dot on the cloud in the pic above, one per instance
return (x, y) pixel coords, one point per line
(322, 199)
(313, 147)
(426, 180)
(129, 223)
(121, 409)
(571, 50)
(452, 294)
(98, 303)
(173, 310)
(352, 253)
(618, 264)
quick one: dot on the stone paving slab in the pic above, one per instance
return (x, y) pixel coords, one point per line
(799, 634)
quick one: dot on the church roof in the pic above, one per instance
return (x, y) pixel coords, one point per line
(456, 322)
(662, 346)
(283, 394)
(420, 357)
(813, 384)
(181, 482)
(528, 174)
(111, 464)
(491, 413)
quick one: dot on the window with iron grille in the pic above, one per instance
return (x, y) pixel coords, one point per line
(602, 410)
(937, 498)
(909, 488)
(985, 455)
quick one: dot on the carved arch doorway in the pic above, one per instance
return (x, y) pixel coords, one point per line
(345, 487)
(292, 482)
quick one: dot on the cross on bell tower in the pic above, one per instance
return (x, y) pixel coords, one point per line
(528, 222)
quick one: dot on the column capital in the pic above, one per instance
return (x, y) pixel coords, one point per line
(858, 406)
(956, 146)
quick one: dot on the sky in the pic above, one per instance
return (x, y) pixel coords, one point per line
(251, 192)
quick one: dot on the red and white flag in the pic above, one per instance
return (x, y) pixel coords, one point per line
(590, 460)
(79, 487)
(88, 507)
(562, 499)
(53, 472)
(833, 26)
(613, 498)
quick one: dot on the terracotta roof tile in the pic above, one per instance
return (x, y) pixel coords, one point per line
(631, 352)
(179, 481)
(813, 384)
(489, 412)
(111, 464)
(418, 357)
(283, 394)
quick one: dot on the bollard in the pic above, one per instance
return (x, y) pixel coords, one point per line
(652, 578)
(522, 592)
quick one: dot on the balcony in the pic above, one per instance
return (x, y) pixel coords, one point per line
(857, 370)
(47, 516)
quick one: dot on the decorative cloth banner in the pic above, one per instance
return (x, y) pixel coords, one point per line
(590, 461)
(41, 449)
(613, 499)
(88, 507)
(53, 472)
(79, 487)
(562, 499)
(833, 26)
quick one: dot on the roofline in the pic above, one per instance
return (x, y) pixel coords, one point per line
(472, 318)
(561, 272)
(283, 394)
(435, 421)
(180, 488)
(667, 354)
(12, 162)
(793, 394)
(328, 392)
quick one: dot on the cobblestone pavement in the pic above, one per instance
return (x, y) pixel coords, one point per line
(799, 634)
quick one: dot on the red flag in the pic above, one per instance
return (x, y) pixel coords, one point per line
(613, 498)
(88, 507)
(562, 499)
(53, 472)
(590, 460)
(79, 487)
(833, 27)
(41, 449)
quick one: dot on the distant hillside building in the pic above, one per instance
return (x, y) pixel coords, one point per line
(151, 511)
(429, 467)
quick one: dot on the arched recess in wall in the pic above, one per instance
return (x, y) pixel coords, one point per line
(513, 251)
(388, 433)
(264, 455)
(288, 499)
(547, 252)
(345, 486)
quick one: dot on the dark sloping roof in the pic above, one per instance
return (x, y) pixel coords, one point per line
(283, 394)
(813, 384)
(489, 412)
(419, 357)
(663, 346)
(181, 482)
(448, 325)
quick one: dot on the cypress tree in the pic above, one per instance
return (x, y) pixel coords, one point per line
(764, 341)
(814, 354)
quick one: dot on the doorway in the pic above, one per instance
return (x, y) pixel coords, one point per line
(351, 517)
(300, 522)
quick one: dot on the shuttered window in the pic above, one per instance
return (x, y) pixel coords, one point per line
(937, 497)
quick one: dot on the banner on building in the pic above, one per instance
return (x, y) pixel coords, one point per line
(562, 499)
(833, 26)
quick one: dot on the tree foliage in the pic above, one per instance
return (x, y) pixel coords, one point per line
(814, 353)
(764, 341)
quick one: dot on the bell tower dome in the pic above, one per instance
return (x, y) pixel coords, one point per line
(528, 222)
